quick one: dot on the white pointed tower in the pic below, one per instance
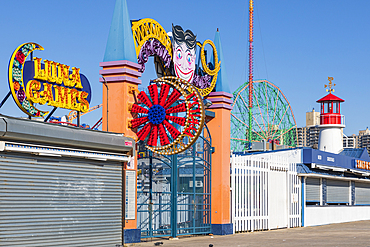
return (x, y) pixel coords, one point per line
(331, 122)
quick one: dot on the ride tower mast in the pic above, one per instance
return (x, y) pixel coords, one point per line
(250, 77)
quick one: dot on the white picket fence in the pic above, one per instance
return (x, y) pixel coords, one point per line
(265, 193)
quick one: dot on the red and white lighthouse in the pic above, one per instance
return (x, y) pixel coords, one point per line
(331, 122)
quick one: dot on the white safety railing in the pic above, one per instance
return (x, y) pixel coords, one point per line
(294, 196)
(265, 193)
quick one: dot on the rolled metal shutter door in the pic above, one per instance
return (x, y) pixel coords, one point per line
(48, 201)
(313, 189)
(337, 191)
(362, 193)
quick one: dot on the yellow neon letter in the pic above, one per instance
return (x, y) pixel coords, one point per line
(75, 78)
(62, 97)
(47, 95)
(63, 75)
(52, 71)
(39, 73)
(74, 104)
(30, 93)
(83, 102)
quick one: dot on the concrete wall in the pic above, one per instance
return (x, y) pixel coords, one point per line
(314, 216)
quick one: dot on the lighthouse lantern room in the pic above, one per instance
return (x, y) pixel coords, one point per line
(330, 110)
(331, 122)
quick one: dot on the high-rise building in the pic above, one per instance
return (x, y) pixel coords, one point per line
(364, 132)
(302, 136)
(351, 141)
(364, 137)
(312, 118)
(309, 136)
(362, 140)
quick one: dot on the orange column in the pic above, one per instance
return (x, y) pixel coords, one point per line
(220, 133)
(119, 90)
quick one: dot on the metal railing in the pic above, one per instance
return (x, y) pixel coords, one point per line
(332, 119)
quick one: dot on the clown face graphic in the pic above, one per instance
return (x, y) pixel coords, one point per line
(184, 44)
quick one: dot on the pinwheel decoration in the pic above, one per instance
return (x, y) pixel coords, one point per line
(173, 113)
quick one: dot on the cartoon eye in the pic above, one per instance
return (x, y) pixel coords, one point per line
(179, 54)
(189, 58)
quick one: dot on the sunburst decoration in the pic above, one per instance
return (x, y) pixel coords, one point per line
(174, 114)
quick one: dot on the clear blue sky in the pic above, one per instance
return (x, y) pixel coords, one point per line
(298, 44)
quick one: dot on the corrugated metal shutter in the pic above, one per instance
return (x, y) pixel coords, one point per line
(313, 189)
(362, 193)
(49, 201)
(337, 191)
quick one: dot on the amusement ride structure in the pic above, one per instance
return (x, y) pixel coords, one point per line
(261, 112)
(271, 117)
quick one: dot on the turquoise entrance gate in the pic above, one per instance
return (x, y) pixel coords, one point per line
(174, 192)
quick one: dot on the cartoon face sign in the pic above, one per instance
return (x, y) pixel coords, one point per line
(184, 61)
(184, 45)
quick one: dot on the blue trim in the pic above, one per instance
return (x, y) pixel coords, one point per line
(330, 159)
(222, 229)
(131, 236)
(301, 156)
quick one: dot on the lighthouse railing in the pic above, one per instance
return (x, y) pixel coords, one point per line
(332, 118)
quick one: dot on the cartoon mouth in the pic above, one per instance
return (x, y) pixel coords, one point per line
(186, 76)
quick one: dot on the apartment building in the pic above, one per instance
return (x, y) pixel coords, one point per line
(308, 136)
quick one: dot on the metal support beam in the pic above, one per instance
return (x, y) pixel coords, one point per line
(106, 85)
(50, 114)
(5, 99)
(78, 119)
(174, 195)
(150, 193)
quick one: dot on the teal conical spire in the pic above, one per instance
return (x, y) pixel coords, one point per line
(222, 83)
(120, 44)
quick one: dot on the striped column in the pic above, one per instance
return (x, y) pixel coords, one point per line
(220, 133)
(122, 80)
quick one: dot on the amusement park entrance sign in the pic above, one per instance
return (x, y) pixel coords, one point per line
(171, 118)
(50, 83)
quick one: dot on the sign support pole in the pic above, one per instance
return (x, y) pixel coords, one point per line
(5, 99)
(50, 114)
(78, 119)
